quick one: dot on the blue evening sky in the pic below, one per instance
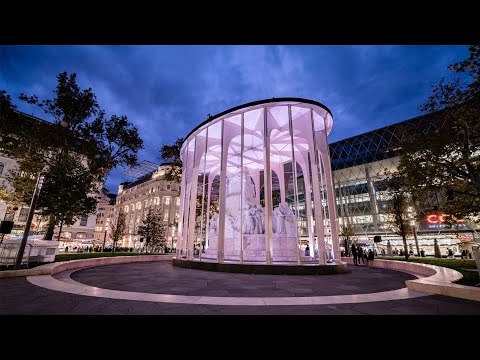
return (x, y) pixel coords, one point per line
(167, 90)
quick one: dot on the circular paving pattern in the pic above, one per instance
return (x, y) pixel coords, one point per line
(163, 278)
(185, 286)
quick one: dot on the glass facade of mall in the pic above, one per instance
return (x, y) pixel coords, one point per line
(359, 165)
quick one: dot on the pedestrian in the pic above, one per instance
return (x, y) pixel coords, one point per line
(66, 248)
(371, 255)
(355, 255)
(360, 255)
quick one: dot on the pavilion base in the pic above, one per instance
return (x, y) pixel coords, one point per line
(275, 269)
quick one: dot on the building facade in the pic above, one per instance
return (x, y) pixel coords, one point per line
(149, 191)
(359, 164)
(104, 214)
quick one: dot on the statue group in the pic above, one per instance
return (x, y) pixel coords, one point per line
(283, 221)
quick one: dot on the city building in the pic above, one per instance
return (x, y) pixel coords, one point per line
(148, 191)
(82, 232)
(104, 214)
(359, 164)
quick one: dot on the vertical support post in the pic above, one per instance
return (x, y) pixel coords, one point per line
(193, 203)
(332, 210)
(33, 204)
(211, 177)
(373, 201)
(241, 189)
(223, 199)
(268, 191)
(316, 197)
(202, 225)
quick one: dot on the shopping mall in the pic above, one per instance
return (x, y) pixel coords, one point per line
(359, 164)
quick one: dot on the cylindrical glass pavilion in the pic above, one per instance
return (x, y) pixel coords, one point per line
(257, 186)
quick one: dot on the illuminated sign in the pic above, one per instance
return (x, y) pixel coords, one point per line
(439, 218)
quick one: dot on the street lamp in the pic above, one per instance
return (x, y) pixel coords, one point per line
(107, 223)
(31, 211)
(33, 204)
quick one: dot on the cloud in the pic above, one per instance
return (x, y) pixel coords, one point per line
(167, 90)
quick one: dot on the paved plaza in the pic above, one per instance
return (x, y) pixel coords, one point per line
(123, 288)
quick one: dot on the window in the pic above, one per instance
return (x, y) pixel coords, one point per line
(165, 216)
(167, 200)
(178, 201)
(2, 165)
(83, 220)
(22, 217)
(168, 187)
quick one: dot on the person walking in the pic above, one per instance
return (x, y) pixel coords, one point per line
(360, 255)
(371, 255)
(354, 254)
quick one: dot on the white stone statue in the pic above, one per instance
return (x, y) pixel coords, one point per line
(284, 218)
(259, 219)
(213, 224)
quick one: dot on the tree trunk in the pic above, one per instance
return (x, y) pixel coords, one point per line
(50, 228)
(114, 246)
(405, 247)
(146, 248)
(60, 230)
(347, 247)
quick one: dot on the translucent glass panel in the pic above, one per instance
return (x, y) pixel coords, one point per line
(233, 202)
(283, 209)
(201, 198)
(253, 164)
(304, 148)
(212, 169)
(187, 171)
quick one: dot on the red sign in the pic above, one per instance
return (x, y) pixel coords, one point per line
(439, 218)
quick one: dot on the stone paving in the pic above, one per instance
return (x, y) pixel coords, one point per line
(162, 277)
(18, 296)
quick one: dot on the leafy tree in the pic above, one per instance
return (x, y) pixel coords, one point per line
(446, 160)
(397, 206)
(118, 227)
(347, 232)
(66, 193)
(171, 154)
(152, 229)
(79, 129)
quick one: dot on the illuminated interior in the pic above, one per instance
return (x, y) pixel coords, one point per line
(257, 186)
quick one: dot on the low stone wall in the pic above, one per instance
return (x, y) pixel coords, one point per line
(53, 268)
(275, 269)
(433, 279)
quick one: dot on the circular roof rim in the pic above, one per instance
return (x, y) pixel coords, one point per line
(254, 103)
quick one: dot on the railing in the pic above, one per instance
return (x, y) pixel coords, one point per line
(9, 252)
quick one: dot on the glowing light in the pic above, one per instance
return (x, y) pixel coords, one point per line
(439, 218)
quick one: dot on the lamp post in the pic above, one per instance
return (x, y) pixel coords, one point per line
(107, 222)
(416, 240)
(33, 204)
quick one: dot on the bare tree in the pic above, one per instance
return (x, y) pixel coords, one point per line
(153, 229)
(118, 227)
(397, 207)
